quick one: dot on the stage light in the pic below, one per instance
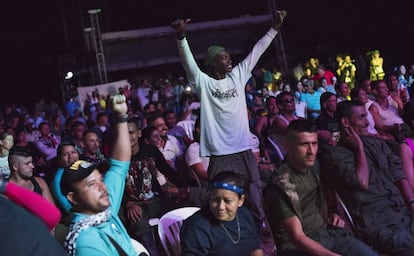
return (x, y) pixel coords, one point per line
(68, 75)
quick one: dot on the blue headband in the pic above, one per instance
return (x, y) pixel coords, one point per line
(228, 186)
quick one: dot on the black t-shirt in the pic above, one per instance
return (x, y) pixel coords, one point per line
(202, 234)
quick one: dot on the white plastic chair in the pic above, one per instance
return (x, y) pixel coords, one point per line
(169, 229)
(139, 248)
(188, 126)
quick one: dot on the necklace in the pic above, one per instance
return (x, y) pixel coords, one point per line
(238, 231)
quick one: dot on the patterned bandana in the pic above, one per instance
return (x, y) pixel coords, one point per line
(231, 187)
(75, 229)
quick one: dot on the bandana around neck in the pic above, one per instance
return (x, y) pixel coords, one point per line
(75, 229)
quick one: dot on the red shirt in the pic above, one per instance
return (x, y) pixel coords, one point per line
(328, 76)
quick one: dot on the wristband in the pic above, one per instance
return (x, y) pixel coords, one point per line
(122, 118)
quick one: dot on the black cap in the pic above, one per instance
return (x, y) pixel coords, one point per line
(324, 97)
(78, 171)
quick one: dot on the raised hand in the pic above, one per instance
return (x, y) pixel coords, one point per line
(119, 105)
(180, 26)
(280, 17)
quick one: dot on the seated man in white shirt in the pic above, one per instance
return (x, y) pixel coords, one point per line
(170, 147)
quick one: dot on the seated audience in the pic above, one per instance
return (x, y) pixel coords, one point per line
(369, 178)
(169, 146)
(22, 167)
(91, 150)
(276, 141)
(175, 130)
(342, 91)
(295, 206)
(47, 142)
(386, 111)
(328, 127)
(224, 226)
(264, 123)
(311, 97)
(6, 143)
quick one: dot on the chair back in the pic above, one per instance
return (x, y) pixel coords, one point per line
(139, 248)
(169, 229)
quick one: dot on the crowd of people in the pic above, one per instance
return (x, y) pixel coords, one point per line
(319, 162)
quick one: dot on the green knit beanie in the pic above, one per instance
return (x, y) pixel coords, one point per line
(212, 52)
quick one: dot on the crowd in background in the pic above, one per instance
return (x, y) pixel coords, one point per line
(310, 90)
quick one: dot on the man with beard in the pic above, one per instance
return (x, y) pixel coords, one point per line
(95, 192)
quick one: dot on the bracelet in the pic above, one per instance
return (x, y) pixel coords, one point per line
(122, 119)
(411, 201)
(3, 186)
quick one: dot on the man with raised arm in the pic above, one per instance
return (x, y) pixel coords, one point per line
(95, 192)
(225, 133)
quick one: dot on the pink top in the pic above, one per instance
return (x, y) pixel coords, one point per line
(34, 203)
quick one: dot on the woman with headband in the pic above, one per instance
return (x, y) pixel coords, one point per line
(224, 226)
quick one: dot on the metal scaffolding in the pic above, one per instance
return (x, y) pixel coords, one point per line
(99, 74)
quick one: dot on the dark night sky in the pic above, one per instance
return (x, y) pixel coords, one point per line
(33, 34)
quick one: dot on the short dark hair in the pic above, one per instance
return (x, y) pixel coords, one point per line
(43, 123)
(344, 109)
(100, 115)
(169, 111)
(136, 121)
(280, 96)
(154, 116)
(324, 97)
(18, 151)
(62, 145)
(146, 134)
(301, 125)
(375, 84)
(269, 98)
(77, 123)
(3, 135)
(355, 91)
(88, 131)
